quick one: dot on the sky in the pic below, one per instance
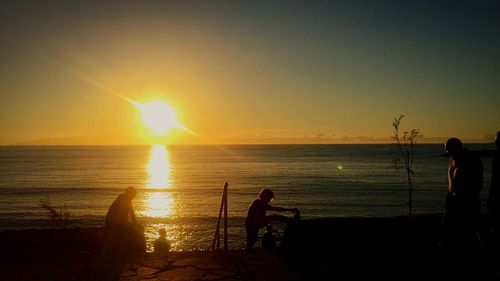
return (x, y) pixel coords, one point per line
(249, 71)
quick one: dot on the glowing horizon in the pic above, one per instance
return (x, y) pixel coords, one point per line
(314, 72)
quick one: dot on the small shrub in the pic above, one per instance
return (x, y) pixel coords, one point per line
(62, 216)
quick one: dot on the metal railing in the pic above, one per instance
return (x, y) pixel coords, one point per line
(222, 211)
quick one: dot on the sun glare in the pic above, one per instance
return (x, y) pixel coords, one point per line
(159, 117)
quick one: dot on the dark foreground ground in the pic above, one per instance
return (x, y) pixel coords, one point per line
(399, 248)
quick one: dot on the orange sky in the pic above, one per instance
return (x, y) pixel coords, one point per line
(240, 72)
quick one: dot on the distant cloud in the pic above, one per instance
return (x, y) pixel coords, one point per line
(325, 138)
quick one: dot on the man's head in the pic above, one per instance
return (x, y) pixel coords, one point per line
(266, 194)
(131, 192)
(453, 146)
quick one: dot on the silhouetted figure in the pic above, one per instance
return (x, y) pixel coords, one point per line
(270, 237)
(257, 218)
(461, 221)
(493, 206)
(121, 210)
(161, 244)
(124, 236)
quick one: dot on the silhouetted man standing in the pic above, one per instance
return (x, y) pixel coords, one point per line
(462, 209)
(493, 206)
(493, 203)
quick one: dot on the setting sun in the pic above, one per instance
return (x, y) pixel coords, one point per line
(159, 117)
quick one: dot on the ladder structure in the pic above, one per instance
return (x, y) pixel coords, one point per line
(222, 212)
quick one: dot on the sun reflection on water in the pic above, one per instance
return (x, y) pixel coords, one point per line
(158, 203)
(158, 167)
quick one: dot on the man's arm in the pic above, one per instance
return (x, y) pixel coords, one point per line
(452, 172)
(280, 209)
(132, 214)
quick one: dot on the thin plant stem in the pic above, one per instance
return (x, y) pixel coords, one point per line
(406, 146)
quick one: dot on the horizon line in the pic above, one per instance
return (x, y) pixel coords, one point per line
(231, 144)
(137, 141)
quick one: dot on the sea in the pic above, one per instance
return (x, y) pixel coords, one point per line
(180, 187)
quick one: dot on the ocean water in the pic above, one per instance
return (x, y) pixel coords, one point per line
(180, 187)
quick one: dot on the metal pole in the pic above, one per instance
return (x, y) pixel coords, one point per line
(225, 216)
(217, 229)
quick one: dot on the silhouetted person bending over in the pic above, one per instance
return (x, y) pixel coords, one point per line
(462, 207)
(121, 238)
(122, 234)
(121, 210)
(257, 218)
